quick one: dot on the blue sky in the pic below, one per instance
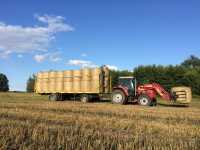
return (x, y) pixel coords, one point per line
(69, 34)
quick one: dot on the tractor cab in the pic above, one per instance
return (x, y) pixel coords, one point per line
(128, 82)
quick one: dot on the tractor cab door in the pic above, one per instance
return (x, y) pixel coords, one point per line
(128, 82)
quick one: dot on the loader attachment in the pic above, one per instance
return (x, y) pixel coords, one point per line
(183, 95)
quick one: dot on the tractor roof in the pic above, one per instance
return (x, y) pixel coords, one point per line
(126, 77)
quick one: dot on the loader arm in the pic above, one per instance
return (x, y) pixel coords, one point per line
(157, 88)
(162, 92)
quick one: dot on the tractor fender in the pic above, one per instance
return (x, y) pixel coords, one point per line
(123, 89)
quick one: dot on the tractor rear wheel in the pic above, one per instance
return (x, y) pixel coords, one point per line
(118, 97)
(144, 100)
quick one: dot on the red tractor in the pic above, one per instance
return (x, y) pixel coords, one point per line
(128, 90)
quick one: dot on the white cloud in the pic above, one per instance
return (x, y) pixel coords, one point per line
(84, 55)
(19, 39)
(53, 57)
(86, 63)
(55, 23)
(40, 57)
(81, 63)
(111, 67)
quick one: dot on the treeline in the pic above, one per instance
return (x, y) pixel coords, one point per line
(187, 74)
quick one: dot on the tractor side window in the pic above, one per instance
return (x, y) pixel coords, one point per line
(127, 83)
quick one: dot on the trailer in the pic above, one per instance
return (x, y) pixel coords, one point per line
(86, 83)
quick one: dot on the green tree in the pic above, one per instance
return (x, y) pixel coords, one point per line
(192, 78)
(4, 87)
(192, 62)
(30, 85)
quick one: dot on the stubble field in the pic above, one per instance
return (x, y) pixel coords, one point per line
(29, 121)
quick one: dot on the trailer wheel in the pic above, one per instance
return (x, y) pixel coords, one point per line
(118, 97)
(54, 97)
(84, 98)
(144, 100)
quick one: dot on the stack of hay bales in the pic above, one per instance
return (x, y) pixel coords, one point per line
(86, 80)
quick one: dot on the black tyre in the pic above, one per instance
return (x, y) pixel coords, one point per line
(85, 98)
(153, 102)
(144, 100)
(54, 97)
(118, 97)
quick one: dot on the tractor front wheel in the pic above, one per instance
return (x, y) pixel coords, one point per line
(118, 97)
(144, 100)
